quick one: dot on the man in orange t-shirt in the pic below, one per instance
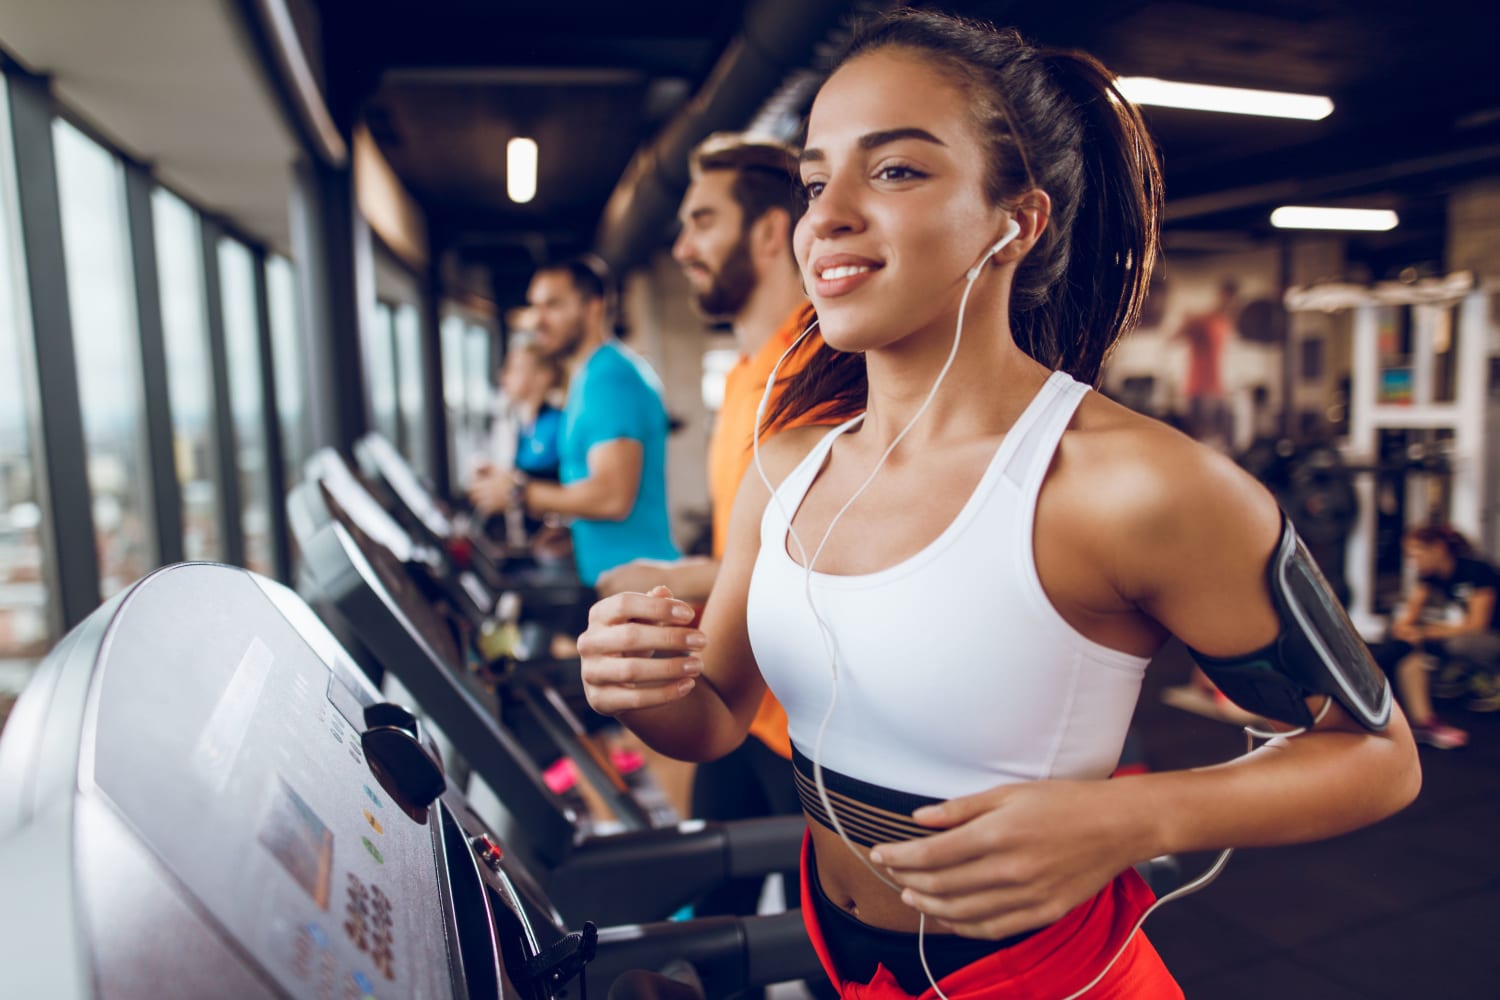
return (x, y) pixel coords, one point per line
(736, 250)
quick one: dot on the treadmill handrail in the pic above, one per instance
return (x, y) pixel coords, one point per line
(402, 480)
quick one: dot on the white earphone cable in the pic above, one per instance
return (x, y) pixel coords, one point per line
(830, 642)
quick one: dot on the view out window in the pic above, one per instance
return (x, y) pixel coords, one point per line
(460, 445)
(25, 597)
(286, 349)
(479, 391)
(410, 398)
(467, 394)
(247, 400)
(380, 373)
(101, 300)
(481, 388)
(184, 316)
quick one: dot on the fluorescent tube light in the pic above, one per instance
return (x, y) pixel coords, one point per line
(1371, 220)
(520, 170)
(1229, 100)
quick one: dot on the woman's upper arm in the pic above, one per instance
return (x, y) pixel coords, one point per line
(1199, 546)
(1209, 552)
(1481, 608)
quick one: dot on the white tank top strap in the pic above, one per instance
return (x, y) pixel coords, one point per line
(1049, 416)
(789, 494)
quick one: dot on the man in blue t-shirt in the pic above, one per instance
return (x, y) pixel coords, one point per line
(613, 443)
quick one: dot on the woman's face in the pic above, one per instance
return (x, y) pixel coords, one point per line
(523, 378)
(1425, 557)
(894, 171)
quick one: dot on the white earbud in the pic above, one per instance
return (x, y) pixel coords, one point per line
(1012, 230)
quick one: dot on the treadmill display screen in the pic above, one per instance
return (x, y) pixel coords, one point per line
(297, 838)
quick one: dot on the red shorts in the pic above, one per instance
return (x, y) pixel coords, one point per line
(1051, 964)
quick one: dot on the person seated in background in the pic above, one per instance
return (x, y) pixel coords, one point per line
(1461, 587)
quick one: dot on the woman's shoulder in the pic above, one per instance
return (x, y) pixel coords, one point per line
(1474, 567)
(780, 455)
(1158, 479)
(784, 450)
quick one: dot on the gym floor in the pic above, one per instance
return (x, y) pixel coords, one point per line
(1404, 909)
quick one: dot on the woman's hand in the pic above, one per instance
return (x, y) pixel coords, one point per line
(1015, 858)
(638, 576)
(1408, 632)
(639, 652)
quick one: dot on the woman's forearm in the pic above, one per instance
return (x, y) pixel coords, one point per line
(1450, 630)
(697, 727)
(1291, 790)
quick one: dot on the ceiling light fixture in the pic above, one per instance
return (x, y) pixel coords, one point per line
(1229, 100)
(1369, 220)
(520, 170)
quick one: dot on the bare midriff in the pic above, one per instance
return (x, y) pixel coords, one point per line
(849, 882)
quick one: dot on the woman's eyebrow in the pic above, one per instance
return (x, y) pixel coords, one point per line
(874, 140)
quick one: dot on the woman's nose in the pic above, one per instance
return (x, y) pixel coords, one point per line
(835, 210)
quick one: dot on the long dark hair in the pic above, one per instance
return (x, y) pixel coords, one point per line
(1051, 119)
(1440, 534)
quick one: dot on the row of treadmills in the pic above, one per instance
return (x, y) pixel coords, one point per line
(218, 786)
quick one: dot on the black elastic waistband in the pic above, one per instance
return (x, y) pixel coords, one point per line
(870, 814)
(857, 949)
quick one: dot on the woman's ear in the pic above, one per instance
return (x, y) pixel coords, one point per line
(1033, 213)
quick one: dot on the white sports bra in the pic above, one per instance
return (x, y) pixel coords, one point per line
(956, 673)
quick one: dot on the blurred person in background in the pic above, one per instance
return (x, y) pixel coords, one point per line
(1207, 335)
(1449, 620)
(527, 425)
(613, 436)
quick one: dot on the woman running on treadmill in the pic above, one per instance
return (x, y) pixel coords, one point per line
(994, 552)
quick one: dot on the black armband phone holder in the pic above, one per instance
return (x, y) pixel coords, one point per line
(1318, 651)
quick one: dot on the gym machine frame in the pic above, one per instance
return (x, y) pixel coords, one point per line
(1469, 416)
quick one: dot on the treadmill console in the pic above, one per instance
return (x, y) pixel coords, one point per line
(189, 781)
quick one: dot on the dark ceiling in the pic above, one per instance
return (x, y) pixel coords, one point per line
(443, 84)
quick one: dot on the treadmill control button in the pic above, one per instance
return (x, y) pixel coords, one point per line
(488, 851)
(374, 823)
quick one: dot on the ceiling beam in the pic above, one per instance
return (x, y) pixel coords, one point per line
(1316, 184)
